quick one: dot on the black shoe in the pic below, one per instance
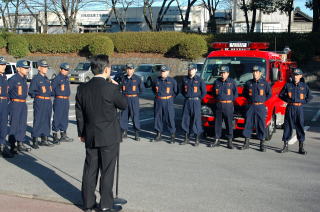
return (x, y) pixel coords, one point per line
(230, 145)
(4, 152)
(186, 139)
(56, 140)
(22, 148)
(137, 137)
(64, 137)
(262, 146)
(246, 144)
(115, 208)
(45, 142)
(172, 138)
(35, 143)
(285, 147)
(12, 141)
(197, 140)
(157, 138)
(301, 149)
(124, 134)
(215, 143)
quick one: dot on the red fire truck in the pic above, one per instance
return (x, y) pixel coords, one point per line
(241, 57)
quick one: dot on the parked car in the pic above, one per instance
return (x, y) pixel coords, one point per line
(148, 73)
(117, 71)
(51, 74)
(82, 73)
(10, 70)
(199, 68)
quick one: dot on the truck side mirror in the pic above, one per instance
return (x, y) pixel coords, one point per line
(275, 74)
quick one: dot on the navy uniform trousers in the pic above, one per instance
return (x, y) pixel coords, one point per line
(294, 117)
(191, 117)
(164, 115)
(131, 111)
(256, 117)
(60, 115)
(42, 111)
(18, 120)
(3, 120)
(224, 112)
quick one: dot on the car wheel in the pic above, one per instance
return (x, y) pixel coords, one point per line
(271, 128)
(149, 83)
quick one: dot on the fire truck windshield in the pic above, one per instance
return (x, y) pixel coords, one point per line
(240, 68)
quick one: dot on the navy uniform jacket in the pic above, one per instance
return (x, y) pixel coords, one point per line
(257, 91)
(193, 87)
(131, 86)
(3, 86)
(225, 91)
(60, 86)
(292, 93)
(165, 87)
(40, 86)
(18, 88)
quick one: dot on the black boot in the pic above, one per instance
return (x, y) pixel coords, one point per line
(172, 138)
(262, 146)
(45, 142)
(12, 141)
(35, 143)
(158, 137)
(137, 137)
(285, 147)
(4, 152)
(301, 149)
(22, 147)
(215, 143)
(197, 140)
(186, 139)
(124, 134)
(56, 140)
(230, 145)
(64, 137)
(246, 144)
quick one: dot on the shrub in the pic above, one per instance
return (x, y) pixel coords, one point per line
(192, 47)
(101, 45)
(3, 42)
(17, 46)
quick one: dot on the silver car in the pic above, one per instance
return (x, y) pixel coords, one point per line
(51, 73)
(148, 73)
(82, 73)
(10, 70)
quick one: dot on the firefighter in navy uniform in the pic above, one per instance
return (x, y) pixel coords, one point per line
(3, 110)
(131, 86)
(18, 93)
(296, 93)
(165, 89)
(193, 89)
(225, 92)
(61, 91)
(257, 91)
(40, 89)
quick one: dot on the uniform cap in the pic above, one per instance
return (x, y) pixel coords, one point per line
(65, 66)
(224, 69)
(22, 64)
(297, 71)
(43, 63)
(2, 61)
(129, 66)
(164, 68)
(192, 66)
(256, 68)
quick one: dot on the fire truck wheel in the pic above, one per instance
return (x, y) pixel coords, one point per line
(271, 128)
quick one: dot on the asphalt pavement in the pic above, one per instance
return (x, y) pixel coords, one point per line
(170, 177)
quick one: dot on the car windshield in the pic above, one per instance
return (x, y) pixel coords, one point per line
(240, 68)
(144, 69)
(83, 67)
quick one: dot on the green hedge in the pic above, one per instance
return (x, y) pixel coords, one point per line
(192, 47)
(101, 45)
(17, 46)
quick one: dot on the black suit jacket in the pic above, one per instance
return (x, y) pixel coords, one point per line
(96, 111)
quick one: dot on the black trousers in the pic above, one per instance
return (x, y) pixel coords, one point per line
(103, 159)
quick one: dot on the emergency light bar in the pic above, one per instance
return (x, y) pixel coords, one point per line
(240, 45)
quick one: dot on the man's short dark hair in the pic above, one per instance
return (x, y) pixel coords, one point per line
(99, 63)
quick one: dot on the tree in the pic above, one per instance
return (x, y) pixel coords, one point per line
(147, 13)
(286, 6)
(34, 7)
(162, 12)
(185, 17)
(315, 6)
(3, 9)
(211, 6)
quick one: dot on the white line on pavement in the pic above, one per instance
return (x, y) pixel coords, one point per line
(315, 118)
(294, 139)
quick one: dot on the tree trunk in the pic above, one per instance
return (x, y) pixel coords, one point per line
(245, 10)
(253, 22)
(45, 26)
(16, 16)
(146, 18)
(289, 21)
(316, 16)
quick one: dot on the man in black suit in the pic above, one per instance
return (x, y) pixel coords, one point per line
(97, 102)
